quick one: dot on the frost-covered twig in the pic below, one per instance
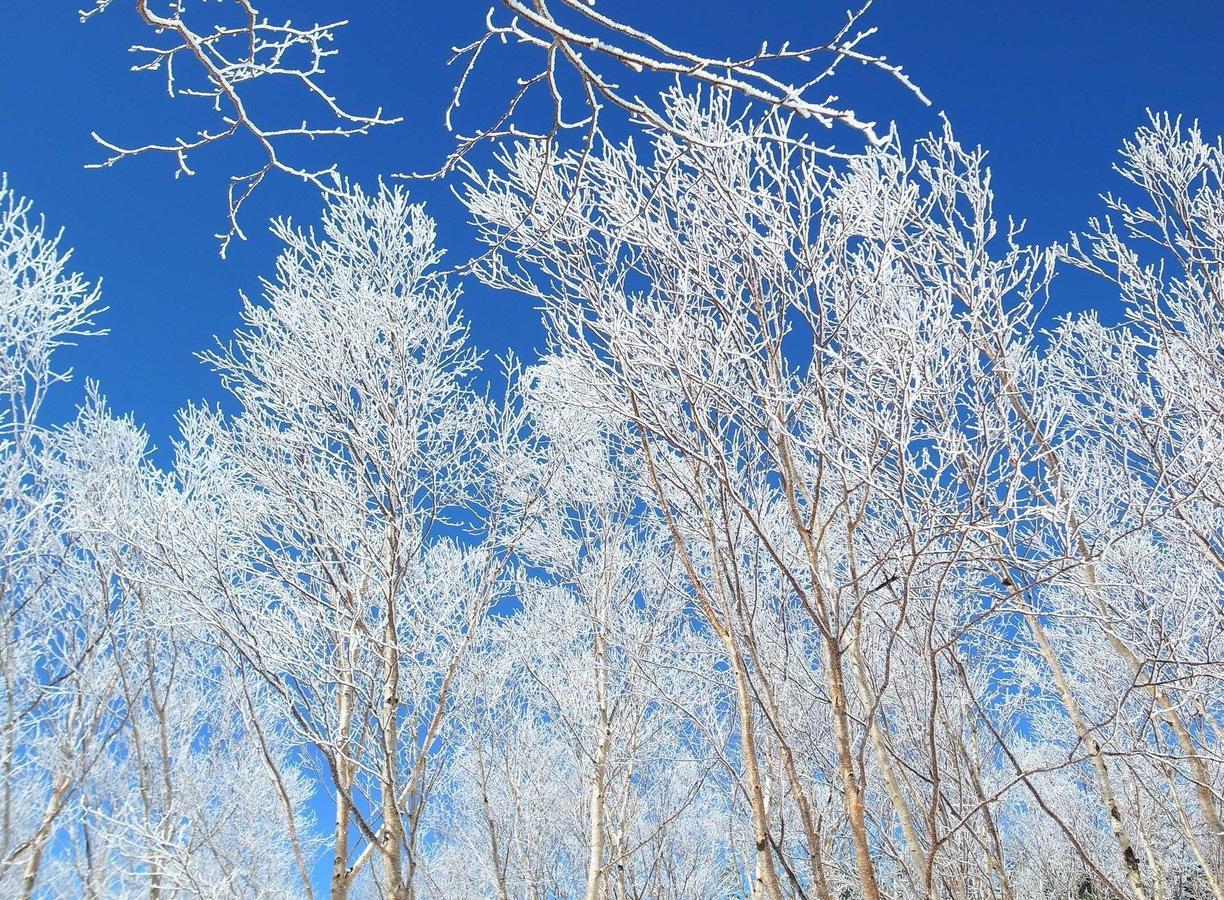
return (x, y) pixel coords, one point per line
(224, 59)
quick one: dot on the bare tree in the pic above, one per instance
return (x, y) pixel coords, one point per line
(217, 58)
(851, 437)
(217, 52)
(54, 682)
(355, 515)
(804, 563)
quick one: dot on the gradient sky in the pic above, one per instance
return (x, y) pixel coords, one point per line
(1049, 88)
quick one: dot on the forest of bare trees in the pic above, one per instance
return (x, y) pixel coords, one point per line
(808, 559)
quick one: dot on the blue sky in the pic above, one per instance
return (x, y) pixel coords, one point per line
(1049, 88)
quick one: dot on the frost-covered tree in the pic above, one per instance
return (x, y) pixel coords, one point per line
(355, 515)
(55, 689)
(808, 560)
(886, 495)
(226, 53)
(581, 671)
(128, 767)
(190, 792)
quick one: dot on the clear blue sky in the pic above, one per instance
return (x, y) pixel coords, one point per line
(1050, 88)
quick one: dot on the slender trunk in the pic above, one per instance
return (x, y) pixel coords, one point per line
(499, 873)
(811, 833)
(767, 874)
(393, 826)
(158, 705)
(617, 882)
(38, 842)
(1199, 776)
(884, 761)
(1130, 862)
(1210, 722)
(10, 732)
(851, 792)
(344, 715)
(995, 854)
(282, 792)
(1156, 878)
(595, 814)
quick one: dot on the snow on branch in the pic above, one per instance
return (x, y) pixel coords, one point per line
(218, 63)
(586, 56)
(600, 50)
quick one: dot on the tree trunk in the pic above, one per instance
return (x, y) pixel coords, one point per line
(1130, 862)
(340, 874)
(852, 794)
(767, 873)
(595, 814)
